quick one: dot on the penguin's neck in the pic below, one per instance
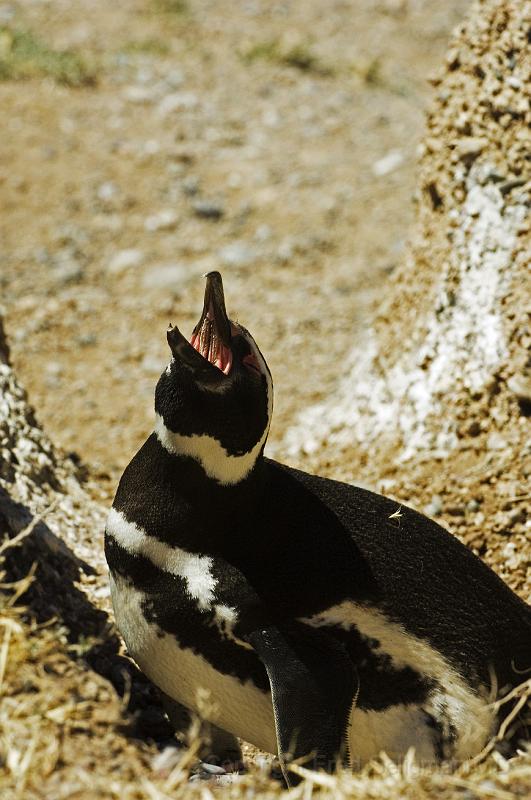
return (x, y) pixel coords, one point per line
(217, 463)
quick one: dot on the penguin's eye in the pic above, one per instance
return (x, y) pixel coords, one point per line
(252, 362)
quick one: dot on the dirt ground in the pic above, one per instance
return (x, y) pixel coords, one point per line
(277, 142)
(273, 141)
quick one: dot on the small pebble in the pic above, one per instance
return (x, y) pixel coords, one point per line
(152, 365)
(470, 147)
(238, 254)
(166, 760)
(87, 339)
(124, 260)
(520, 385)
(434, 507)
(164, 220)
(169, 276)
(69, 273)
(106, 191)
(212, 769)
(177, 101)
(208, 209)
(391, 161)
(496, 442)
(190, 186)
(139, 94)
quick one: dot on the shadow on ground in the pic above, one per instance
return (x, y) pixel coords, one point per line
(54, 596)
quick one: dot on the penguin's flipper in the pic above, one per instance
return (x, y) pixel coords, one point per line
(313, 683)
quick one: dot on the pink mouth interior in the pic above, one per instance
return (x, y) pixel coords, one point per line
(207, 342)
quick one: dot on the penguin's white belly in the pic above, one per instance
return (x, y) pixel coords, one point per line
(453, 704)
(242, 709)
(187, 677)
(394, 731)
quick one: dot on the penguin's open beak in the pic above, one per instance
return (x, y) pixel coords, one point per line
(211, 337)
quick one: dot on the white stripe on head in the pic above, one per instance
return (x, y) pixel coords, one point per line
(210, 453)
(194, 569)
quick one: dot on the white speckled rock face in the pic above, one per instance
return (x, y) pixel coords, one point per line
(459, 345)
(36, 480)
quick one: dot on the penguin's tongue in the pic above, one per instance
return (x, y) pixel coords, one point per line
(207, 342)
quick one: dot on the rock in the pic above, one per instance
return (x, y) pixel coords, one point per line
(106, 191)
(285, 251)
(434, 507)
(263, 233)
(87, 339)
(164, 220)
(163, 763)
(208, 209)
(7, 12)
(169, 276)
(177, 101)
(68, 234)
(124, 260)
(151, 147)
(520, 385)
(210, 772)
(212, 769)
(139, 94)
(470, 147)
(455, 510)
(238, 254)
(152, 365)
(174, 78)
(496, 442)
(190, 186)
(69, 272)
(391, 161)
(474, 429)
(513, 559)
(515, 516)
(54, 373)
(42, 255)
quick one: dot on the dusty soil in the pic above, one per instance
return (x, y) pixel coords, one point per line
(277, 144)
(270, 140)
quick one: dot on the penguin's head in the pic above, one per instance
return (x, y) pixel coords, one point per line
(214, 401)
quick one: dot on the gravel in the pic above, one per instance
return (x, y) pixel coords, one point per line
(169, 276)
(205, 209)
(124, 260)
(238, 254)
(165, 220)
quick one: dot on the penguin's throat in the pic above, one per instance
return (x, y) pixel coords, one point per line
(207, 342)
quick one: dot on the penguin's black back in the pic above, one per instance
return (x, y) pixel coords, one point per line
(424, 578)
(307, 543)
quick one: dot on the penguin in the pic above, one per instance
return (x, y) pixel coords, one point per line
(309, 617)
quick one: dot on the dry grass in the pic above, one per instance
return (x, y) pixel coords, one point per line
(289, 53)
(64, 733)
(64, 730)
